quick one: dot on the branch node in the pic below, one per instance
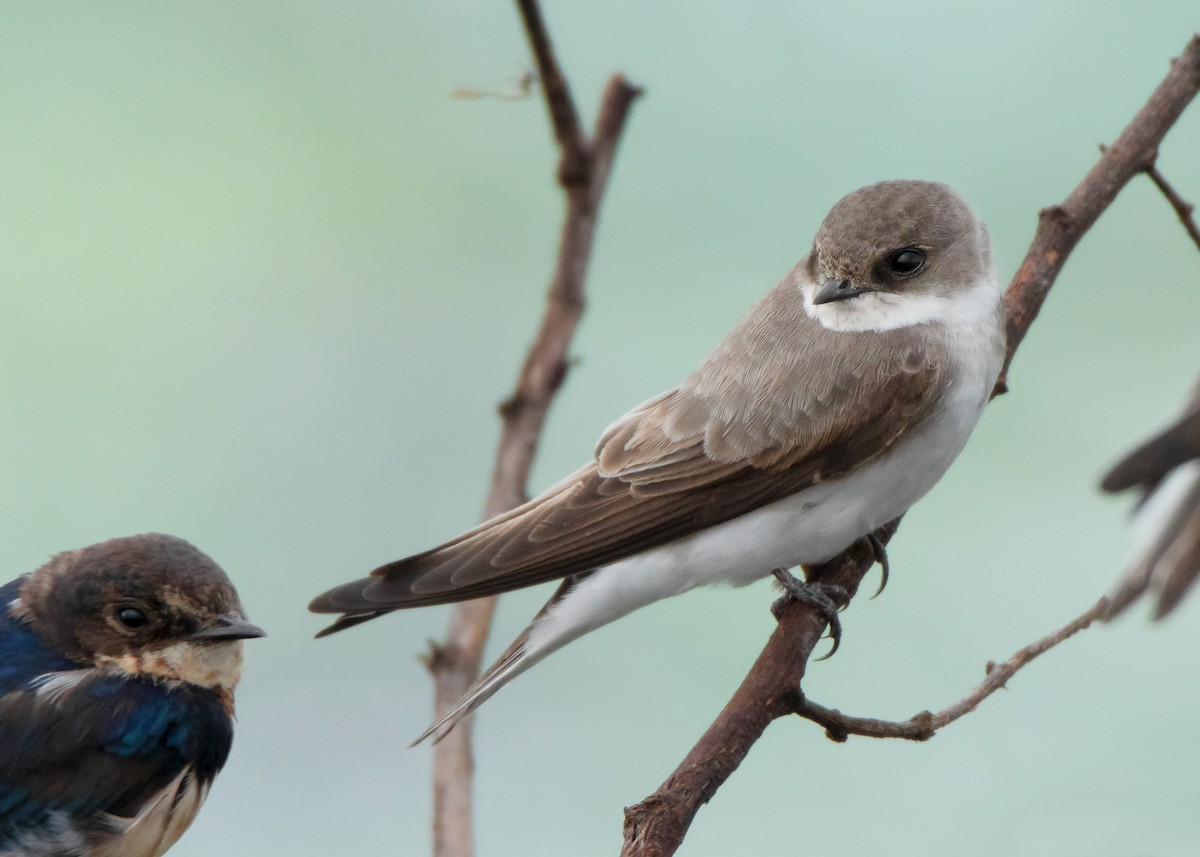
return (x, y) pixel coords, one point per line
(924, 724)
(436, 657)
(512, 406)
(1056, 215)
(574, 168)
(558, 374)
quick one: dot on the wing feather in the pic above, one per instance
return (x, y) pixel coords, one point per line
(757, 422)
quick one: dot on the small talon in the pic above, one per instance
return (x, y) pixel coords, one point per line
(824, 596)
(881, 557)
(837, 641)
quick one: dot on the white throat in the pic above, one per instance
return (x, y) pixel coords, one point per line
(966, 306)
(214, 665)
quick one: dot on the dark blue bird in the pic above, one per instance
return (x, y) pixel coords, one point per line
(117, 668)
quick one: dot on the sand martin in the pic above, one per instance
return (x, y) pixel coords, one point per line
(836, 403)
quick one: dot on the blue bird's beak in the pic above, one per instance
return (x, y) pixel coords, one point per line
(229, 627)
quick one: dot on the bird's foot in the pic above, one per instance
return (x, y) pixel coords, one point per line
(826, 597)
(880, 553)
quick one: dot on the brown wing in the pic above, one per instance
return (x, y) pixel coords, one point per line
(737, 435)
(1169, 564)
(1147, 465)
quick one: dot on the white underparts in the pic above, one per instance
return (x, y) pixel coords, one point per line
(151, 833)
(814, 524)
(809, 526)
(161, 822)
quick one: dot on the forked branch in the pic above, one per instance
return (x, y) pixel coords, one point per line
(656, 826)
(583, 174)
(1183, 208)
(923, 726)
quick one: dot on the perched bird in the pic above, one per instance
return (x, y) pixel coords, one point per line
(1166, 556)
(117, 668)
(832, 407)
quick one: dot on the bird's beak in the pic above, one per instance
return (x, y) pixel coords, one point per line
(229, 627)
(837, 290)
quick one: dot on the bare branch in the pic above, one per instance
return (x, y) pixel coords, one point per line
(1061, 226)
(771, 689)
(656, 826)
(923, 726)
(520, 89)
(572, 142)
(583, 174)
(1183, 208)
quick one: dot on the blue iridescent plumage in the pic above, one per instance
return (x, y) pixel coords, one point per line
(110, 735)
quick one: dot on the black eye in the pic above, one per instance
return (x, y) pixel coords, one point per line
(132, 618)
(906, 262)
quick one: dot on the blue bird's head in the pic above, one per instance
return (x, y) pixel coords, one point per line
(150, 605)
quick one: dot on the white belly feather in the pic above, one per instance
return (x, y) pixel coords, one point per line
(161, 822)
(810, 526)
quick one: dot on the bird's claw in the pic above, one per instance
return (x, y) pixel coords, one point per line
(826, 597)
(881, 557)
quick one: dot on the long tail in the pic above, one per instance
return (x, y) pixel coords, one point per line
(517, 658)
(508, 666)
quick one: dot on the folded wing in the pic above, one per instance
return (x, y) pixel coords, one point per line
(737, 435)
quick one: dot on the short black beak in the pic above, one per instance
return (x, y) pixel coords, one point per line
(229, 627)
(837, 290)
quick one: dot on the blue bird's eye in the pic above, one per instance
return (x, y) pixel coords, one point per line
(132, 618)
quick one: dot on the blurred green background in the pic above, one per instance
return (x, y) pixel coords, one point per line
(264, 281)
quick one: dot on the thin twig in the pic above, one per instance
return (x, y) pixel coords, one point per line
(583, 173)
(656, 826)
(564, 118)
(923, 726)
(1061, 226)
(1183, 208)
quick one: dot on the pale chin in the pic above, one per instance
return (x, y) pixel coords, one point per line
(211, 665)
(882, 311)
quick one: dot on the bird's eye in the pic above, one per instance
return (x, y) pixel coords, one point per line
(132, 618)
(906, 262)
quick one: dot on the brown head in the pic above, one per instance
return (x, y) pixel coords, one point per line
(148, 604)
(906, 245)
